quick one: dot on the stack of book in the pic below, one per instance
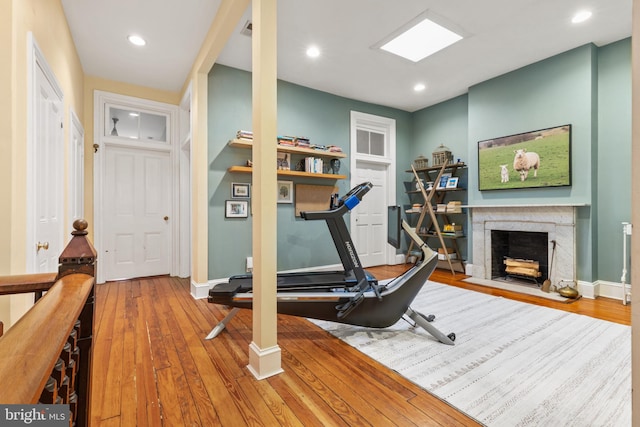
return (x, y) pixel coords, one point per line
(313, 165)
(288, 141)
(454, 206)
(246, 135)
(303, 142)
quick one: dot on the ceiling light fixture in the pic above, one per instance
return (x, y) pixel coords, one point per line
(313, 52)
(419, 87)
(581, 16)
(420, 38)
(136, 40)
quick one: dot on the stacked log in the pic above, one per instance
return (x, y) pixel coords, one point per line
(522, 267)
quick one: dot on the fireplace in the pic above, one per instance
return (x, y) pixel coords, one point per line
(524, 245)
(555, 223)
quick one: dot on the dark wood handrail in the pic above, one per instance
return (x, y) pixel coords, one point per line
(31, 347)
(24, 283)
(46, 356)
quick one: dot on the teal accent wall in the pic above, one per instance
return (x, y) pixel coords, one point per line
(322, 117)
(445, 123)
(587, 87)
(614, 157)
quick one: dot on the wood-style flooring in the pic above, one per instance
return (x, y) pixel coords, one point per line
(152, 366)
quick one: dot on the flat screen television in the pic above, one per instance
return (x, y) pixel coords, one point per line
(394, 226)
(540, 158)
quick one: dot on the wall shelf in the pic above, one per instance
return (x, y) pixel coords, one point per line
(247, 169)
(238, 143)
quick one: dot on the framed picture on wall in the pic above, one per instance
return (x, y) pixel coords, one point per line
(285, 191)
(540, 158)
(236, 209)
(240, 190)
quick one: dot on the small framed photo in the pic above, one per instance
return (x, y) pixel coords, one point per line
(452, 182)
(284, 161)
(236, 209)
(240, 190)
(444, 180)
(285, 191)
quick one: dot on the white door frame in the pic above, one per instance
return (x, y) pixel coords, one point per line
(185, 186)
(101, 99)
(387, 127)
(37, 60)
(76, 167)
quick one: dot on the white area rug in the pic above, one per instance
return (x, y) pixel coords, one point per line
(513, 364)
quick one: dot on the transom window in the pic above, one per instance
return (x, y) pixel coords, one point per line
(369, 142)
(135, 124)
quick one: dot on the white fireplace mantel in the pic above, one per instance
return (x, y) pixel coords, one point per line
(558, 221)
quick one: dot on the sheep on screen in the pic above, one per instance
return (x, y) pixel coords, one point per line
(525, 161)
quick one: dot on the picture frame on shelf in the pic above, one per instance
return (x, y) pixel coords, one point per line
(284, 161)
(452, 182)
(240, 190)
(444, 179)
(236, 209)
(285, 191)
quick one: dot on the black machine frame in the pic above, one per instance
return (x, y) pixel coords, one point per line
(352, 296)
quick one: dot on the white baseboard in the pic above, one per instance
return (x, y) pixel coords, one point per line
(201, 290)
(613, 290)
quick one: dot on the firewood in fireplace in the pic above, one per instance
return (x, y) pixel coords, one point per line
(522, 267)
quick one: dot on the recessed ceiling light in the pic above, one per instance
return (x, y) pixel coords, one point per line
(421, 40)
(581, 16)
(137, 40)
(313, 52)
(419, 87)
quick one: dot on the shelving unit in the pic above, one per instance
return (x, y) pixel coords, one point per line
(433, 227)
(238, 143)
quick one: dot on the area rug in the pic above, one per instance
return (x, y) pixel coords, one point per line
(513, 364)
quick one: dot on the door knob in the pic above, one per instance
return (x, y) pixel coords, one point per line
(44, 246)
(166, 218)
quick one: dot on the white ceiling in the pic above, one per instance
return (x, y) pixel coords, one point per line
(503, 35)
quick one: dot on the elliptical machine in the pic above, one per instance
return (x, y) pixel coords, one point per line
(352, 296)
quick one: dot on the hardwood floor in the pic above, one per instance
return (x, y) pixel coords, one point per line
(152, 366)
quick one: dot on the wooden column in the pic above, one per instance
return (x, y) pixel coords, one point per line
(264, 353)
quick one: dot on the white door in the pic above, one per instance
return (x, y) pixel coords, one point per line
(47, 172)
(373, 140)
(136, 213)
(370, 232)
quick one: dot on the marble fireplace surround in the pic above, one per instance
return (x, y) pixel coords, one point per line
(557, 221)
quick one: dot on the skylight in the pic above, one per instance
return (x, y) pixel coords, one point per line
(421, 40)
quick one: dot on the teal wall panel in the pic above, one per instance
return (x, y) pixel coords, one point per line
(614, 157)
(322, 117)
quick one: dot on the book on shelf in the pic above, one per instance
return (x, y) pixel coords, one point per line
(245, 135)
(313, 165)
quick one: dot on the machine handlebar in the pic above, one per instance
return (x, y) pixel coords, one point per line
(345, 203)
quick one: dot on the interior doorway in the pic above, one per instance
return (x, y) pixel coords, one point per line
(136, 187)
(45, 148)
(373, 141)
